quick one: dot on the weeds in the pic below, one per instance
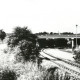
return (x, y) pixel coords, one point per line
(8, 75)
(11, 69)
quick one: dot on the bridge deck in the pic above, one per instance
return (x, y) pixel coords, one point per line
(58, 36)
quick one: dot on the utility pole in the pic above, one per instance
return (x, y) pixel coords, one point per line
(76, 35)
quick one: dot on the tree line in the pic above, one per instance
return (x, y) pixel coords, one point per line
(27, 43)
(53, 33)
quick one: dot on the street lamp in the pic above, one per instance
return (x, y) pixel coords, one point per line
(76, 35)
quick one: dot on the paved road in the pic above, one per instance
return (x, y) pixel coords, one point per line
(60, 54)
(73, 70)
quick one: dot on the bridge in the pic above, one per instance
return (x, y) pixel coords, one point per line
(58, 36)
(55, 36)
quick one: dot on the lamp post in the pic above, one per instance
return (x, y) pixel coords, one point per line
(76, 35)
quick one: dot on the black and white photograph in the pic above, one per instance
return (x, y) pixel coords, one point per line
(39, 39)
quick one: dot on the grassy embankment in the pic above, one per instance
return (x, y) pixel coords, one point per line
(11, 69)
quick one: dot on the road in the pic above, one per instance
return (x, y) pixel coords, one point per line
(60, 54)
(66, 66)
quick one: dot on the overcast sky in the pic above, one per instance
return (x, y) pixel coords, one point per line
(40, 15)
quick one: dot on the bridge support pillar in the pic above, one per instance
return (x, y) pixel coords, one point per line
(72, 42)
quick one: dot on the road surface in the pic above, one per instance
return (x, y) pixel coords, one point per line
(59, 53)
(65, 66)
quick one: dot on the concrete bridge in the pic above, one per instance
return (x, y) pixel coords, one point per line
(55, 36)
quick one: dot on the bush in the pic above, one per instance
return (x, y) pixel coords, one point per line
(21, 34)
(26, 41)
(50, 73)
(2, 35)
(30, 71)
(8, 75)
(77, 55)
(53, 43)
(28, 50)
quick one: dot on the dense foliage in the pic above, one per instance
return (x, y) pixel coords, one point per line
(77, 55)
(53, 43)
(61, 42)
(21, 34)
(2, 35)
(8, 75)
(26, 41)
(28, 50)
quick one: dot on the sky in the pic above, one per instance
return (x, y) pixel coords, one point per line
(40, 15)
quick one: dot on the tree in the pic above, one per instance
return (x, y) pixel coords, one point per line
(2, 35)
(42, 33)
(21, 34)
(51, 33)
(67, 33)
(77, 55)
(26, 41)
(28, 50)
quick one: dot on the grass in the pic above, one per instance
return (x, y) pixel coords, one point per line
(11, 69)
(21, 71)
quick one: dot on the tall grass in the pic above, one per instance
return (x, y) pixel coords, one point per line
(11, 69)
(19, 71)
(23, 71)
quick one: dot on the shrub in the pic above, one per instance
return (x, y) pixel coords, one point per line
(50, 73)
(29, 50)
(8, 75)
(30, 71)
(26, 41)
(2, 35)
(77, 55)
(21, 34)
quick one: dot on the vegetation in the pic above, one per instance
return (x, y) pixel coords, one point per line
(8, 75)
(53, 43)
(16, 62)
(2, 35)
(60, 42)
(9, 70)
(26, 41)
(12, 70)
(78, 41)
(67, 33)
(42, 33)
(30, 70)
(21, 34)
(53, 33)
(77, 55)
